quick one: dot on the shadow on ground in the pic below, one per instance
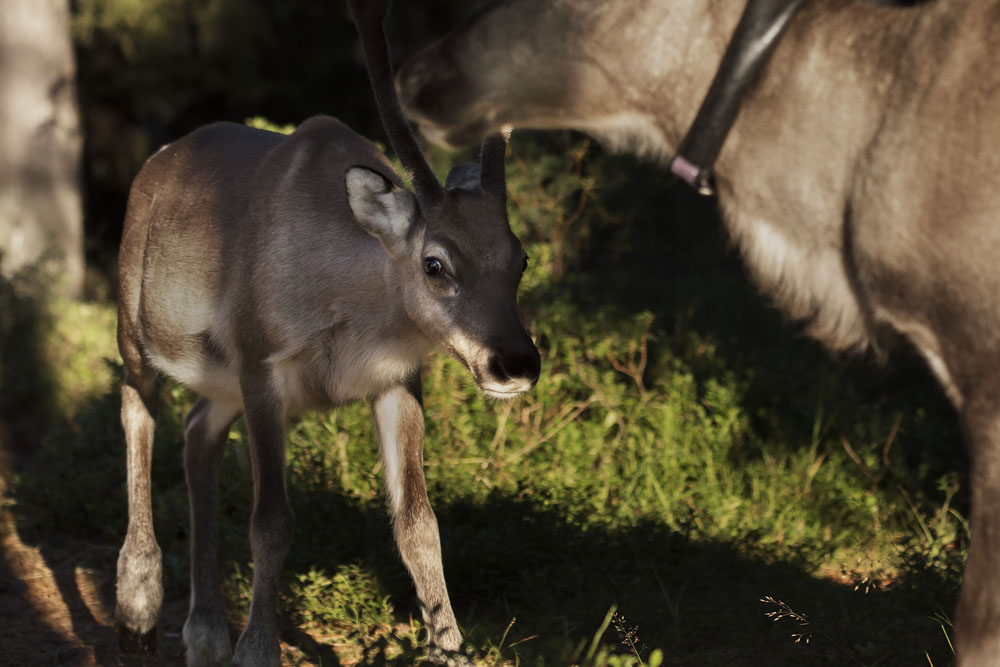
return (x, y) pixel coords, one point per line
(514, 556)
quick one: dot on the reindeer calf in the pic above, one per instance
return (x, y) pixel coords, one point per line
(275, 274)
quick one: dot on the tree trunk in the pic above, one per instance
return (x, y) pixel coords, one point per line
(41, 215)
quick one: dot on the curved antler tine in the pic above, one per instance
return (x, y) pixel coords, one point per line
(369, 16)
(493, 162)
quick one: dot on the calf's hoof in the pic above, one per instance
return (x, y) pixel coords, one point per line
(439, 656)
(257, 650)
(136, 643)
(206, 640)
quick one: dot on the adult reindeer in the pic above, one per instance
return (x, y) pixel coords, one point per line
(275, 274)
(861, 179)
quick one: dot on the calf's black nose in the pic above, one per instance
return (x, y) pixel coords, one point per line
(523, 364)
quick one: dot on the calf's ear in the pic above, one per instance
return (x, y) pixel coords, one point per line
(384, 210)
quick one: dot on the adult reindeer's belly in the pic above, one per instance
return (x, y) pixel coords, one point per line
(801, 263)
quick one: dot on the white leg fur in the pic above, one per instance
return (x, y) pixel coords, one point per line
(400, 423)
(139, 589)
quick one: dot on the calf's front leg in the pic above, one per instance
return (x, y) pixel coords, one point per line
(399, 420)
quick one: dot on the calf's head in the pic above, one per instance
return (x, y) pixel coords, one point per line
(459, 266)
(459, 263)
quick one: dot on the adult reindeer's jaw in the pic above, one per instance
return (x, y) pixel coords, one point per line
(451, 138)
(442, 131)
(427, 87)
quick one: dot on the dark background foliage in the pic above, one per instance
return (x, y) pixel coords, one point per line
(154, 70)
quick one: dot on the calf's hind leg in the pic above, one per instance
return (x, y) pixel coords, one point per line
(399, 419)
(271, 522)
(206, 636)
(139, 590)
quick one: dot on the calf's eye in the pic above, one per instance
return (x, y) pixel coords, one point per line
(433, 266)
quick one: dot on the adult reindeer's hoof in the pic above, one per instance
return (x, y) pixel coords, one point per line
(136, 643)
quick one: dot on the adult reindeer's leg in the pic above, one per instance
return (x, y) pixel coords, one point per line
(271, 522)
(206, 637)
(977, 623)
(399, 419)
(139, 588)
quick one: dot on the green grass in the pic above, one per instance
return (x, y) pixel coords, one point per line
(692, 482)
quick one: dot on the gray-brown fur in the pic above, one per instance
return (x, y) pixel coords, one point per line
(861, 181)
(277, 274)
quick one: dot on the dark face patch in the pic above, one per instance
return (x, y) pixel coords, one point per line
(468, 301)
(481, 259)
